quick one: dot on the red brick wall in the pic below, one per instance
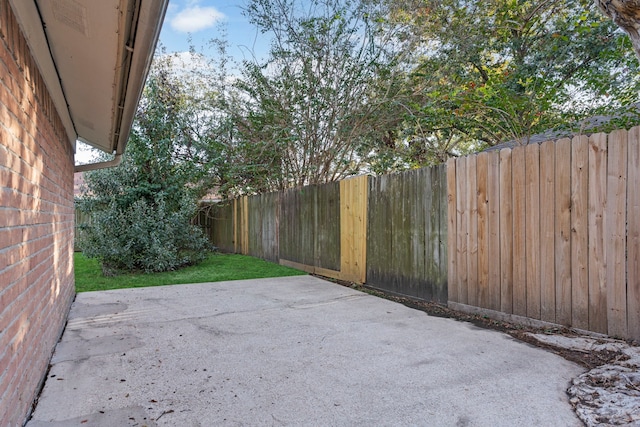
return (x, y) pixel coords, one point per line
(36, 224)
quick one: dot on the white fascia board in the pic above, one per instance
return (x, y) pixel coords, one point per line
(149, 24)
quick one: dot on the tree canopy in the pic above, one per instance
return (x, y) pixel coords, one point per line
(371, 86)
(491, 71)
(353, 86)
(319, 99)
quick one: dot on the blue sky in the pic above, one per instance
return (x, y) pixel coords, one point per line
(202, 19)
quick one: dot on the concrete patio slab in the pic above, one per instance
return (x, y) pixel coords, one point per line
(290, 351)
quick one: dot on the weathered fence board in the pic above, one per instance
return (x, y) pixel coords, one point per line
(327, 253)
(633, 234)
(597, 200)
(519, 231)
(482, 290)
(579, 232)
(562, 243)
(532, 225)
(616, 231)
(378, 240)
(472, 237)
(310, 226)
(568, 227)
(495, 260)
(452, 215)
(263, 226)
(400, 239)
(428, 258)
(506, 233)
(289, 224)
(547, 232)
(406, 238)
(462, 211)
(438, 274)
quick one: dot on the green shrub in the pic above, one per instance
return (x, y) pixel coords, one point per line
(140, 211)
(144, 235)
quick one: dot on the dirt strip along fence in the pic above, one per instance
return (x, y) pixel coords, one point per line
(550, 232)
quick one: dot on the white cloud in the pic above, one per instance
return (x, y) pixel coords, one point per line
(196, 18)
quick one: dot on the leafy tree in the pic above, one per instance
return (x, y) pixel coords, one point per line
(491, 71)
(140, 211)
(311, 110)
(352, 86)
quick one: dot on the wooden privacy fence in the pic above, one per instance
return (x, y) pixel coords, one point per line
(319, 229)
(406, 243)
(389, 231)
(550, 232)
(323, 229)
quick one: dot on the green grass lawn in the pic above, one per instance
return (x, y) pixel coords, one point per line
(217, 267)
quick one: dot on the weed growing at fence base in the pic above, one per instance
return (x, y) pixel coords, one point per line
(216, 268)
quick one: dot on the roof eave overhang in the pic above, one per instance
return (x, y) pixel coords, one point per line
(138, 30)
(27, 15)
(145, 30)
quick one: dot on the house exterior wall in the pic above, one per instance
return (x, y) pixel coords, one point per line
(36, 224)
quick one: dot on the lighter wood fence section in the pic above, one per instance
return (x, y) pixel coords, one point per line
(567, 219)
(353, 229)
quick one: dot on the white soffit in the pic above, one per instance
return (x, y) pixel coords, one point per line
(30, 23)
(94, 56)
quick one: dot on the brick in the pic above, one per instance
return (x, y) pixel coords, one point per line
(10, 237)
(8, 277)
(36, 223)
